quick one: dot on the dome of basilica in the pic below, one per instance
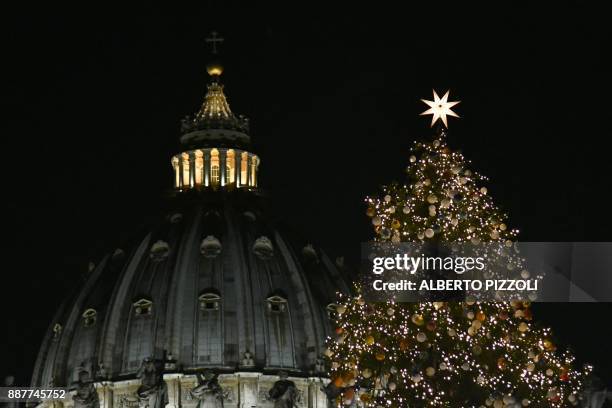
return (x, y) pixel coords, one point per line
(213, 292)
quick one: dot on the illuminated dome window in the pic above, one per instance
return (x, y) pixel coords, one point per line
(89, 317)
(263, 248)
(276, 304)
(209, 301)
(143, 307)
(210, 247)
(159, 251)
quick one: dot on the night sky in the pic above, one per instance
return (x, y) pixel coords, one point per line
(92, 99)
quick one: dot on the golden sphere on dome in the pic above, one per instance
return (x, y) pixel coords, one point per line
(214, 69)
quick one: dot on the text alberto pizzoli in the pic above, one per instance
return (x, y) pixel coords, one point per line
(459, 265)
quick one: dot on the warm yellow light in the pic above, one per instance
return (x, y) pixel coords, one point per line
(439, 108)
(214, 70)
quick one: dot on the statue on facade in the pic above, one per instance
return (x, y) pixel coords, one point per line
(101, 371)
(153, 392)
(247, 359)
(85, 392)
(284, 393)
(208, 392)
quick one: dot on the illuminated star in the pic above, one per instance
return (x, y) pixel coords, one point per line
(439, 108)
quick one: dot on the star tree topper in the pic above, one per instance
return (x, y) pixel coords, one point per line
(439, 108)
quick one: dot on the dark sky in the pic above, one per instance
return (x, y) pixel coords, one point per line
(93, 97)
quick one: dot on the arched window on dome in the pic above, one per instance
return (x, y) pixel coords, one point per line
(280, 345)
(209, 330)
(230, 167)
(186, 178)
(215, 176)
(244, 161)
(209, 301)
(89, 317)
(177, 170)
(199, 167)
(143, 307)
(139, 339)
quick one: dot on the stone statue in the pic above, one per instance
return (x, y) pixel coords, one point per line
(284, 393)
(170, 363)
(247, 359)
(208, 392)
(101, 371)
(319, 366)
(85, 395)
(153, 392)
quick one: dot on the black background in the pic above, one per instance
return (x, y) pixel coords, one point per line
(93, 96)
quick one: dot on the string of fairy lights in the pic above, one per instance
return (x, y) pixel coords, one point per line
(446, 354)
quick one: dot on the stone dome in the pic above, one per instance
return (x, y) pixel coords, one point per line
(212, 291)
(214, 284)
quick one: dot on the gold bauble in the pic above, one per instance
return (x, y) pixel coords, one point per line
(395, 224)
(370, 340)
(380, 356)
(548, 345)
(370, 211)
(418, 319)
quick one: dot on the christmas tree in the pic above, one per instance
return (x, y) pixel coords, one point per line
(445, 354)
